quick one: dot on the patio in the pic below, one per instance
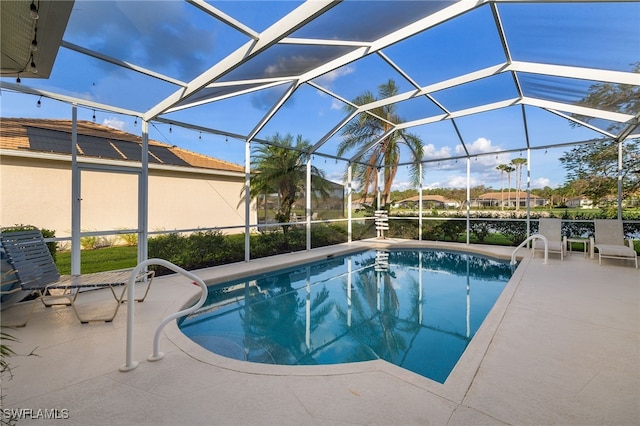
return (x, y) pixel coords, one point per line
(561, 346)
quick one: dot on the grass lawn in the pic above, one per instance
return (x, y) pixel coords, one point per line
(98, 260)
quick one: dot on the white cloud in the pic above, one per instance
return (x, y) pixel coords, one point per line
(402, 185)
(479, 146)
(114, 123)
(327, 79)
(540, 183)
(460, 182)
(432, 185)
(430, 151)
(336, 105)
(335, 176)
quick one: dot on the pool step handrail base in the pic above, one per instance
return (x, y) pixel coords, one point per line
(130, 364)
(531, 238)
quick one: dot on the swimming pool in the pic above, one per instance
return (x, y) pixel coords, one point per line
(417, 309)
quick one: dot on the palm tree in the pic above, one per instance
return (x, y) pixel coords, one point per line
(367, 129)
(502, 168)
(508, 169)
(518, 163)
(281, 168)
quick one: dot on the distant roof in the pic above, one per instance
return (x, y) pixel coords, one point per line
(438, 198)
(505, 195)
(99, 141)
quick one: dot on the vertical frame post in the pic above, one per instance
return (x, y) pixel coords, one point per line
(76, 194)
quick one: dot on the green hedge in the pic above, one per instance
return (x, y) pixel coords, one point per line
(211, 248)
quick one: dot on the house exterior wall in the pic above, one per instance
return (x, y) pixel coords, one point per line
(37, 192)
(583, 203)
(183, 201)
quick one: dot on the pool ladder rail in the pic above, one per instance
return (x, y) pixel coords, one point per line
(382, 261)
(382, 223)
(130, 364)
(526, 242)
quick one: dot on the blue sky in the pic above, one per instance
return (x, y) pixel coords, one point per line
(180, 41)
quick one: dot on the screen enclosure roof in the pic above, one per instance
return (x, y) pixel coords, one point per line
(530, 74)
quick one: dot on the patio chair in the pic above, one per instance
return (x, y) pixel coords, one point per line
(551, 228)
(36, 273)
(609, 241)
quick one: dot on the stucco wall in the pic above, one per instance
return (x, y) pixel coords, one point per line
(35, 193)
(38, 192)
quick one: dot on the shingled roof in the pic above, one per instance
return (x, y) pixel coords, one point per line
(428, 197)
(505, 195)
(97, 140)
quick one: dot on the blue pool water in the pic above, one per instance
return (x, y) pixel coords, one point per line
(418, 309)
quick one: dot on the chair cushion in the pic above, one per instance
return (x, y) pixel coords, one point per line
(615, 250)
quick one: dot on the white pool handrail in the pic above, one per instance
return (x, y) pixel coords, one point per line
(130, 364)
(531, 238)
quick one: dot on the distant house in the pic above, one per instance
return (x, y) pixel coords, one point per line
(581, 202)
(506, 199)
(428, 202)
(186, 190)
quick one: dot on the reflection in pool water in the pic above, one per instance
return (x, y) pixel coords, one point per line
(417, 309)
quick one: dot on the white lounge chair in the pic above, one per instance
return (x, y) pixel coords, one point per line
(609, 241)
(551, 229)
(36, 272)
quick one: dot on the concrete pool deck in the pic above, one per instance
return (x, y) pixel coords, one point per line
(561, 346)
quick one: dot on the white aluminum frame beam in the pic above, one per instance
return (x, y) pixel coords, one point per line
(267, 84)
(582, 73)
(580, 110)
(223, 17)
(21, 88)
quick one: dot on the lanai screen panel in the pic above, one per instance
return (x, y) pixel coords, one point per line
(468, 56)
(594, 35)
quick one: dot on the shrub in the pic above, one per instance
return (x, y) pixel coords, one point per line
(211, 248)
(52, 246)
(129, 239)
(89, 242)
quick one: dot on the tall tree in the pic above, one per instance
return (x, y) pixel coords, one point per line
(281, 168)
(508, 170)
(502, 168)
(518, 163)
(366, 129)
(624, 98)
(595, 166)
